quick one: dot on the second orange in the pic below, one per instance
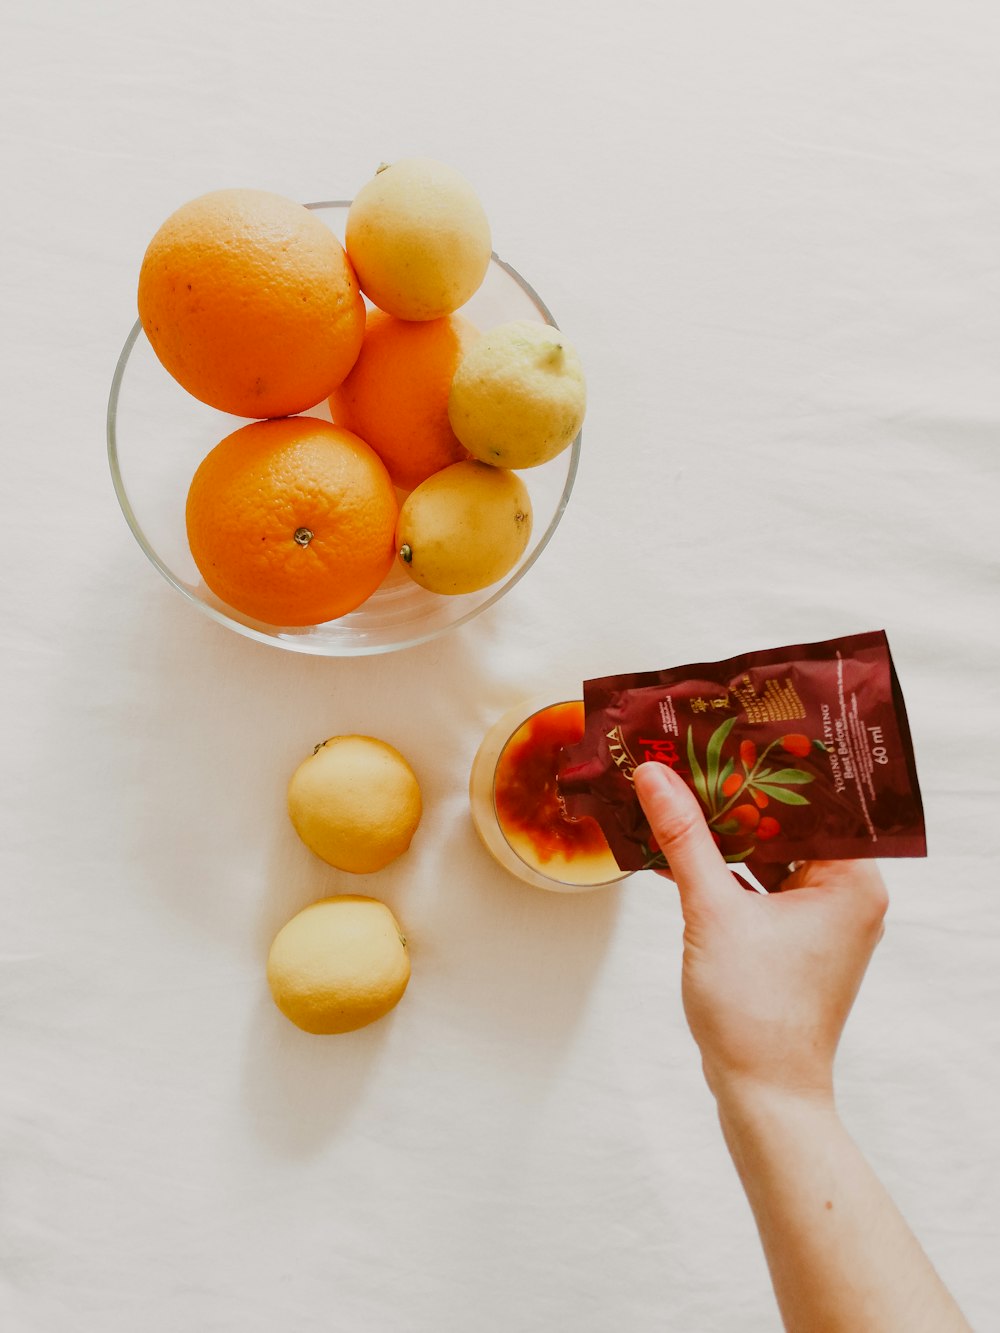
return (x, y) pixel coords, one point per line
(396, 396)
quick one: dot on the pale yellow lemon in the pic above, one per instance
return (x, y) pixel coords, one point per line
(355, 802)
(418, 238)
(464, 528)
(518, 396)
(338, 965)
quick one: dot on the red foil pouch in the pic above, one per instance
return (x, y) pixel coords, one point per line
(799, 753)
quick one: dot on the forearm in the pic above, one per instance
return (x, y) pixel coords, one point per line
(841, 1256)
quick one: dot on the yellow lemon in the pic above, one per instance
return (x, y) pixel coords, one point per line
(518, 396)
(338, 965)
(464, 528)
(418, 238)
(355, 802)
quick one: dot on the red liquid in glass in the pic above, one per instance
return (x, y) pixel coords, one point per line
(525, 792)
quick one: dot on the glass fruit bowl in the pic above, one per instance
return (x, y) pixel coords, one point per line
(158, 434)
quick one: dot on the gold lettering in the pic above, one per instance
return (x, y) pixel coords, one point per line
(619, 752)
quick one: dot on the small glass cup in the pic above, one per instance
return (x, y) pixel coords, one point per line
(530, 848)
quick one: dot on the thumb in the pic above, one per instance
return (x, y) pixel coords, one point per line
(678, 822)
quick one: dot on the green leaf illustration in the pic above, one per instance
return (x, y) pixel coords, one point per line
(740, 856)
(727, 826)
(729, 768)
(712, 752)
(697, 775)
(780, 794)
(789, 776)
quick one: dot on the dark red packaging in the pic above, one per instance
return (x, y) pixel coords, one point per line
(796, 754)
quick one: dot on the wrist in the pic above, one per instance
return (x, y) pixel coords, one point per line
(767, 1127)
(749, 1101)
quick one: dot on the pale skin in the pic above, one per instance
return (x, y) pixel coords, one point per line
(768, 983)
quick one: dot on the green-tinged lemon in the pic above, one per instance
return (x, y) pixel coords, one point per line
(518, 396)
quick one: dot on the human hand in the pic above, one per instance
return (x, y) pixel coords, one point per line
(768, 980)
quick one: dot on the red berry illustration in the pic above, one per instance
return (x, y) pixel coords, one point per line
(796, 744)
(760, 798)
(747, 816)
(732, 784)
(768, 827)
(748, 754)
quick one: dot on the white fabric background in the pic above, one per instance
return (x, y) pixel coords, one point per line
(772, 231)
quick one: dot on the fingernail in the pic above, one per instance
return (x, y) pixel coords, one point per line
(656, 772)
(644, 773)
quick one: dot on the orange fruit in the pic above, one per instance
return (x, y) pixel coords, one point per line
(251, 303)
(396, 395)
(292, 521)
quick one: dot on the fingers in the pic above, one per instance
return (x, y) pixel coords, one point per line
(678, 823)
(857, 884)
(702, 875)
(861, 878)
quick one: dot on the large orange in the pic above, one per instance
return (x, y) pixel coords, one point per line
(292, 522)
(251, 303)
(396, 396)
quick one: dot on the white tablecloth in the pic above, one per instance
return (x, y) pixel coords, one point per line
(773, 233)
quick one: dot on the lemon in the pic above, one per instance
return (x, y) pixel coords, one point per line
(418, 238)
(355, 802)
(518, 396)
(464, 527)
(338, 965)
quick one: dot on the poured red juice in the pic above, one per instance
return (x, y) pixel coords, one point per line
(529, 808)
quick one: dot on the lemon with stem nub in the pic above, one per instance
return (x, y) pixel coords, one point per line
(518, 396)
(418, 238)
(355, 802)
(338, 965)
(464, 528)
